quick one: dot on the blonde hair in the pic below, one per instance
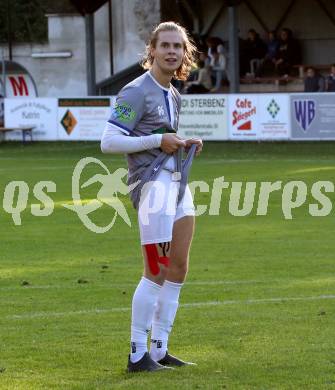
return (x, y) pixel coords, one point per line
(190, 49)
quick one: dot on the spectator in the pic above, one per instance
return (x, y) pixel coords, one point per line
(255, 50)
(204, 83)
(272, 46)
(330, 80)
(205, 57)
(212, 44)
(218, 66)
(195, 69)
(314, 82)
(288, 53)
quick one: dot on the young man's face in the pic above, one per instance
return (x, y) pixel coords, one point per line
(169, 51)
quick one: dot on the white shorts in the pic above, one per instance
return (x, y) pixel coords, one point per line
(158, 208)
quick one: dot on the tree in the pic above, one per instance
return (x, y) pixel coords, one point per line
(26, 20)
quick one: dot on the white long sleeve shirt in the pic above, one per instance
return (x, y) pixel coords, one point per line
(115, 141)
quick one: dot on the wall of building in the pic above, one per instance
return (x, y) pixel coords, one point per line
(131, 20)
(102, 45)
(57, 76)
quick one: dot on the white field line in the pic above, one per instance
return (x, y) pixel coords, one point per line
(111, 285)
(203, 162)
(24, 159)
(35, 168)
(186, 305)
(232, 161)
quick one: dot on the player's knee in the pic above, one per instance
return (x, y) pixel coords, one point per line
(160, 277)
(179, 268)
(183, 270)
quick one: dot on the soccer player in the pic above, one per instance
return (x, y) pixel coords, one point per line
(143, 125)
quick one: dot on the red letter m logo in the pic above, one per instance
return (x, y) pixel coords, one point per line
(19, 85)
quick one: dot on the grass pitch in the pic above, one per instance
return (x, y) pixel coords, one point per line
(257, 311)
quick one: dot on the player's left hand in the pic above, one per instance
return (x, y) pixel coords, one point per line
(196, 141)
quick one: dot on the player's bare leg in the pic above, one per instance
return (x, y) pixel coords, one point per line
(168, 299)
(182, 236)
(156, 261)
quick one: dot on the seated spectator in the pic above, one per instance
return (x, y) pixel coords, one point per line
(255, 50)
(272, 46)
(288, 53)
(203, 83)
(330, 80)
(268, 61)
(212, 44)
(205, 57)
(314, 82)
(218, 65)
(193, 76)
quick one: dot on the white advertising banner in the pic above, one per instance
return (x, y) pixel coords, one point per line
(274, 117)
(243, 117)
(313, 116)
(82, 119)
(204, 116)
(38, 112)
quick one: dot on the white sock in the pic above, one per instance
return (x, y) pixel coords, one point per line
(164, 315)
(144, 300)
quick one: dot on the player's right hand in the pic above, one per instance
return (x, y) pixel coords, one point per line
(171, 142)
